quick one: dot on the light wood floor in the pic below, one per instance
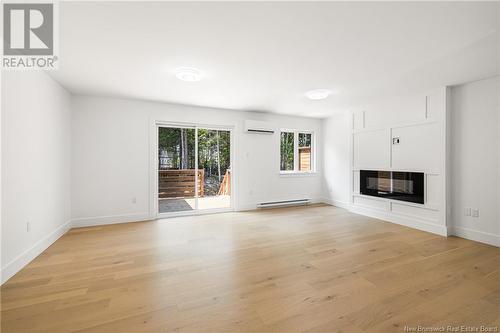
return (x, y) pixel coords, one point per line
(316, 269)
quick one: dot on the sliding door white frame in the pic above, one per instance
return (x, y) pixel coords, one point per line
(154, 207)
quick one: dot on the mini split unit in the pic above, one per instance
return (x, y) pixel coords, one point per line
(258, 127)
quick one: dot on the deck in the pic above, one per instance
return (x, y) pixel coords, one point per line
(186, 204)
(176, 190)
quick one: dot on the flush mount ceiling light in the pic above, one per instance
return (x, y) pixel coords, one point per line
(318, 94)
(188, 74)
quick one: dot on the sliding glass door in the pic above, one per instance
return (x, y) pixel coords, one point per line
(176, 169)
(194, 170)
(214, 164)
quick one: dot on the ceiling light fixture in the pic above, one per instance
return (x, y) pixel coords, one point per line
(318, 94)
(188, 74)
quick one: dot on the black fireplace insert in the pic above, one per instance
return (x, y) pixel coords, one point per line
(396, 185)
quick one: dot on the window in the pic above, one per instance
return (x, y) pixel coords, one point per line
(296, 151)
(287, 151)
(305, 161)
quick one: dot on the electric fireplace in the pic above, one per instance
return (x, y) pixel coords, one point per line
(396, 185)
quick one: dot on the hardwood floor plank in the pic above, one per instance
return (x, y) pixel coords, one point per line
(299, 269)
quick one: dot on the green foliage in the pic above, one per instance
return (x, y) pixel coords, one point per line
(287, 148)
(286, 151)
(170, 142)
(212, 143)
(304, 139)
(213, 149)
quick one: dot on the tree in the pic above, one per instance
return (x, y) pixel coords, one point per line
(179, 146)
(184, 149)
(286, 151)
(218, 155)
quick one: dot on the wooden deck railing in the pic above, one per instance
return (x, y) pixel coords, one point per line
(225, 186)
(180, 183)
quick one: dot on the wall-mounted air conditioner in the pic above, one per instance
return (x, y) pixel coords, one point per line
(258, 127)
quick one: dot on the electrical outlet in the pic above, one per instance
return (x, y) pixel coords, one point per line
(28, 227)
(134, 200)
(475, 213)
(467, 211)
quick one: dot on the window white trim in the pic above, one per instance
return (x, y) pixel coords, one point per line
(296, 171)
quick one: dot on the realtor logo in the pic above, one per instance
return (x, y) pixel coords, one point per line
(28, 29)
(28, 36)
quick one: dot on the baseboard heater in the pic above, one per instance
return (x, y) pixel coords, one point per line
(283, 203)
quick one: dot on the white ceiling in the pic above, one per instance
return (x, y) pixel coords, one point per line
(264, 56)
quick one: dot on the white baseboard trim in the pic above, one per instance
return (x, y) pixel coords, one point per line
(401, 220)
(246, 207)
(337, 203)
(10, 269)
(317, 200)
(475, 235)
(112, 219)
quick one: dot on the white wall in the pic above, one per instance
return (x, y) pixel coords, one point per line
(419, 120)
(336, 159)
(111, 157)
(475, 159)
(36, 121)
(88, 164)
